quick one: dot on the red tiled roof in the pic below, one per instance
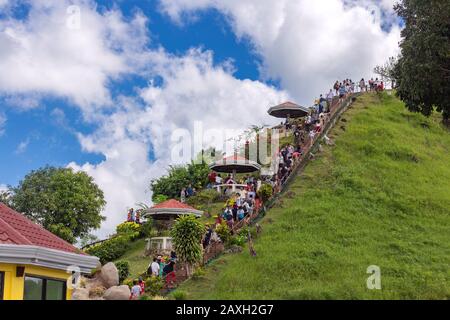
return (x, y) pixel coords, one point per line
(172, 204)
(15, 228)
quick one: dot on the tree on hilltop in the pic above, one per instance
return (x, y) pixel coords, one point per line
(423, 70)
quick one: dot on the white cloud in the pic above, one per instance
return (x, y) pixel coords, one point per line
(3, 188)
(195, 89)
(307, 44)
(124, 178)
(45, 55)
(22, 147)
(23, 101)
(3, 3)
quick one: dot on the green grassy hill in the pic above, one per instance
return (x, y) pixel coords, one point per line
(381, 197)
(135, 257)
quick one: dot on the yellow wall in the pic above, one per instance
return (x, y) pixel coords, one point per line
(13, 289)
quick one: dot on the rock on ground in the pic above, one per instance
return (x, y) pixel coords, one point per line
(96, 289)
(117, 293)
(80, 294)
(109, 275)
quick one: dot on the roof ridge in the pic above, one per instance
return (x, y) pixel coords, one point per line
(161, 205)
(11, 232)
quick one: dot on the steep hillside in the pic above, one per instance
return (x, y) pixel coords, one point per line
(136, 259)
(381, 197)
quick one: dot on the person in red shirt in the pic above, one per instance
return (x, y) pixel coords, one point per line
(142, 285)
(218, 219)
(212, 177)
(138, 216)
(318, 128)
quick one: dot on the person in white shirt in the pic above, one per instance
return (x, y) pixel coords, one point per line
(238, 199)
(155, 267)
(243, 193)
(247, 208)
(330, 95)
(362, 85)
(308, 119)
(219, 179)
(312, 134)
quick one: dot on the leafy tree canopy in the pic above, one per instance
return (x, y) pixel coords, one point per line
(179, 177)
(423, 70)
(67, 203)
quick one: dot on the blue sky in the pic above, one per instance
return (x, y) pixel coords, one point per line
(106, 94)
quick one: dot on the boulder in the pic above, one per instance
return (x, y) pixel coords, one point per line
(93, 283)
(96, 290)
(80, 294)
(109, 275)
(117, 293)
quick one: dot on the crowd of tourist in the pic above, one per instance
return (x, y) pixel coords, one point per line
(348, 86)
(160, 267)
(238, 207)
(240, 204)
(373, 85)
(306, 130)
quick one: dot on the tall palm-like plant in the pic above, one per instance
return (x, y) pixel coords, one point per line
(187, 234)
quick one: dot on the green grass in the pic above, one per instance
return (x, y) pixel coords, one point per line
(135, 257)
(212, 209)
(379, 197)
(286, 140)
